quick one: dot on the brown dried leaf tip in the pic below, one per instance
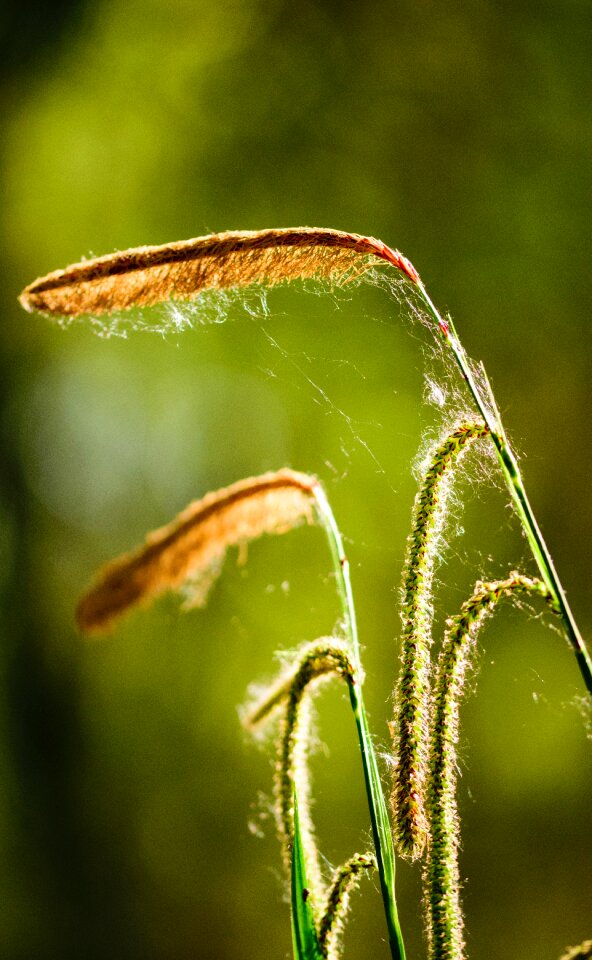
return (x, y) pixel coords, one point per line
(149, 275)
(194, 544)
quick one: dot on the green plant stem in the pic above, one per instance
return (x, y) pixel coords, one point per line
(305, 940)
(515, 483)
(383, 842)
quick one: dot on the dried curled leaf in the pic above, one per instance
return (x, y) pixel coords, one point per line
(148, 275)
(195, 543)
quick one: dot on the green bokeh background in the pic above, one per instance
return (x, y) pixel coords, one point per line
(131, 803)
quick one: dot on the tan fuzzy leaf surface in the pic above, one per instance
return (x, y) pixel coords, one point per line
(194, 544)
(147, 275)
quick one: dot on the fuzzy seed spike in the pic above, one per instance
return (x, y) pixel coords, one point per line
(147, 275)
(194, 545)
(317, 661)
(441, 874)
(343, 882)
(410, 728)
(323, 656)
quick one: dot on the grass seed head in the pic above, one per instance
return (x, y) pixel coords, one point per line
(182, 270)
(410, 728)
(441, 875)
(193, 546)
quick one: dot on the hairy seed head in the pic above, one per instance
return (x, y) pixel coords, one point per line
(318, 660)
(410, 728)
(441, 874)
(149, 275)
(194, 545)
(343, 882)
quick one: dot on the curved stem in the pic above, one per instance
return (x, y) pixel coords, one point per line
(441, 873)
(344, 880)
(410, 729)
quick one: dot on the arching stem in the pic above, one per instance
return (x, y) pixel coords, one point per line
(509, 464)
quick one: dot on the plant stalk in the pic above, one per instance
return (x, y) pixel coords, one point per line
(383, 842)
(515, 483)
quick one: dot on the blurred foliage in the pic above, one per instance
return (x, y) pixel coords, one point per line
(461, 134)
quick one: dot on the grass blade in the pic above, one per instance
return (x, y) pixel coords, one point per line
(304, 933)
(381, 830)
(511, 471)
